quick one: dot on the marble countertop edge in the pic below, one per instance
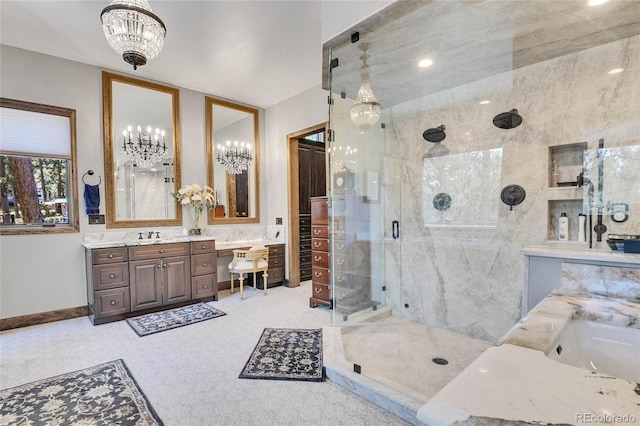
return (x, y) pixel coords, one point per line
(582, 254)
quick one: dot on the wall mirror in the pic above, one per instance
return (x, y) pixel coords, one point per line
(141, 152)
(232, 161)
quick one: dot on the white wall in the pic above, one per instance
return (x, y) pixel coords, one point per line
(40, 273)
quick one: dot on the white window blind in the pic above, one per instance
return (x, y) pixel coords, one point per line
(34, 133)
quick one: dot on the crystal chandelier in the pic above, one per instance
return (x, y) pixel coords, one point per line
(365, 112)
(133, 30)
(146, 149)
(234, 158)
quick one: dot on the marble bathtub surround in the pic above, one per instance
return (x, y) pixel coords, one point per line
(541, 327)
(604, 280)
(540, 389)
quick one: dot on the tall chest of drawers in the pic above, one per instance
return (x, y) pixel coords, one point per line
(320, 289)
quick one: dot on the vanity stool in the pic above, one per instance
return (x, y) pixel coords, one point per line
(255, 260)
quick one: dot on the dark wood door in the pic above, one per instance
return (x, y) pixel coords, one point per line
(304, 173)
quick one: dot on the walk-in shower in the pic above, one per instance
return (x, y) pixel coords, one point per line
(433, 268)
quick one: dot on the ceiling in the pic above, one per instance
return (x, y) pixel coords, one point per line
(471, 40)
(255, 52)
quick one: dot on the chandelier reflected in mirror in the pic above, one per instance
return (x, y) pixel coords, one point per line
(365, 112)
(133, 30)
(145, 149)
(234, 158)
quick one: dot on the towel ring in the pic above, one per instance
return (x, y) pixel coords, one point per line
(90, 173)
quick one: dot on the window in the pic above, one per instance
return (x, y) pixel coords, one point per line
(38, 190)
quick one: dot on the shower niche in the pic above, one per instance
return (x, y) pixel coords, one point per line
(565, 163)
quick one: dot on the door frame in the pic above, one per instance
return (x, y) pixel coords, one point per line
(293, 183)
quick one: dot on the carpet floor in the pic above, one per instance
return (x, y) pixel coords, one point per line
(190, 375)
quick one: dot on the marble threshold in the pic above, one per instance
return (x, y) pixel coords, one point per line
(515, 381)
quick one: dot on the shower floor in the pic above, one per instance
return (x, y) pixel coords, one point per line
(395, 360)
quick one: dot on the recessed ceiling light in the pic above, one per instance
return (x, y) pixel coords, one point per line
(485, 102)
(425, 63)
(616, 71)
(597, 2)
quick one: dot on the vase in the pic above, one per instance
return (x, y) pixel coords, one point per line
(195, 226)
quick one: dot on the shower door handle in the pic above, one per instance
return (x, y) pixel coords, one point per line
(395, 229)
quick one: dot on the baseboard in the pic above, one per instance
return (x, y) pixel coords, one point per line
(43, 317)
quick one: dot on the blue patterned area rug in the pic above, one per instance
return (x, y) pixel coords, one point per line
(102, 395)
(173, 318)
(286, 354)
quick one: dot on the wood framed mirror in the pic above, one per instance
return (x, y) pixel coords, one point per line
(141, 152)
(233, 157)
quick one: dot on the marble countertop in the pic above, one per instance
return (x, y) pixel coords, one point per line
(582, 254)
(516, 381)
(182, 239)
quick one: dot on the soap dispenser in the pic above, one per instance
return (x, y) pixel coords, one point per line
(563, 227)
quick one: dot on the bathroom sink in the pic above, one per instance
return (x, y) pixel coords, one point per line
(603, 348)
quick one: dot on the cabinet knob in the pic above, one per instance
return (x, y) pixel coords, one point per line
(204, 264)
(164, 265)
(111, 276)
(159, 265)
(161, 251)
(110, 256)
(204, 286)
(113, 302)
(203, 247)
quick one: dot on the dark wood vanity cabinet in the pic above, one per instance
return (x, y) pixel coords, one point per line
(126, 280)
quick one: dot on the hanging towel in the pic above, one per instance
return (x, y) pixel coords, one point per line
(92, 198)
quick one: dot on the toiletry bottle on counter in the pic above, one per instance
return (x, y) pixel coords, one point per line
(563, 227)
(582, 236)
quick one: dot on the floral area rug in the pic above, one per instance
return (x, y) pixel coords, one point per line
(286, 354)
(173, 318)
(102, 395)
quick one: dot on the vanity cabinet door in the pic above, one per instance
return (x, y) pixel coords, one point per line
(176, 279)
(146, 283)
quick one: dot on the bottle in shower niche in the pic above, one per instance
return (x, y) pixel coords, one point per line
(582, 236)
(563, 227)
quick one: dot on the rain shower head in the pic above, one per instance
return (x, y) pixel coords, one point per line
(507, 120)
(435, 135)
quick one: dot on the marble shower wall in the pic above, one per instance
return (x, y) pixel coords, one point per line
(469, 278)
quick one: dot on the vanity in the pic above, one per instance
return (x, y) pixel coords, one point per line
(131, 278)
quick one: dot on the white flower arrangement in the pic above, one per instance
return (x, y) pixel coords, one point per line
(198, 198)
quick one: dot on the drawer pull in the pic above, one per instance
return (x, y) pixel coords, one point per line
(317, 274)
(317, 258)
(161, 251)
(204, 264)
(159, 265)
(110, 256)
(340, 246)
(316, 244)
(204, 286)
(340, 261)
(318, 290)
(340, 279)
(317, 231)
(112, 276)
(203, 247)
(113, 302)
(303, 259)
